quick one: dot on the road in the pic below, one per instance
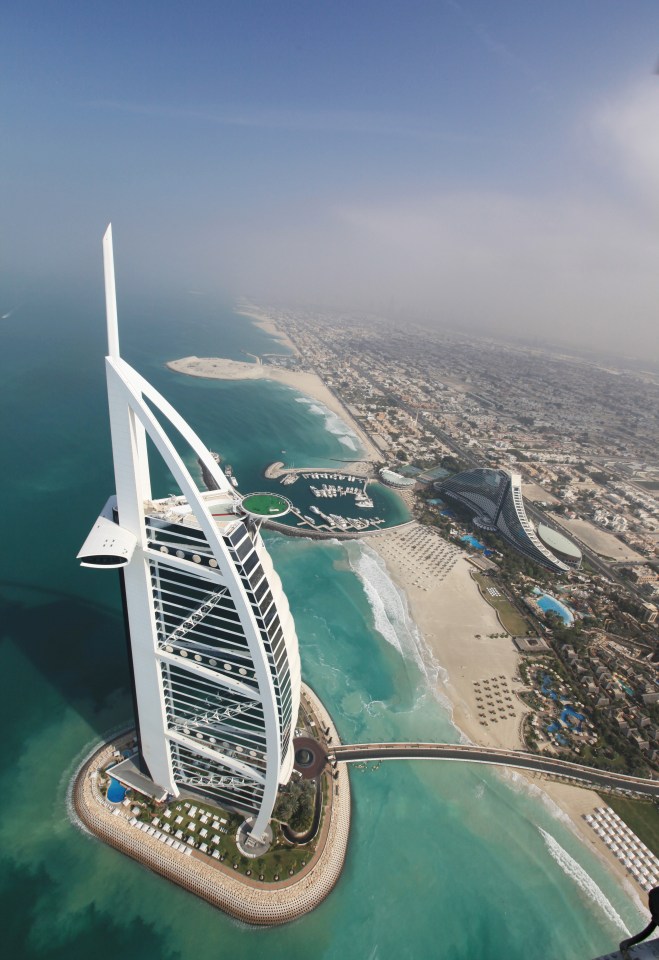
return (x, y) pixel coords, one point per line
(354, 752)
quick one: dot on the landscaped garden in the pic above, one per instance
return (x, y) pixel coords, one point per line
(511, 619)
(212, 831)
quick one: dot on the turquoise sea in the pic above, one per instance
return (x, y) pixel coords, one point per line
(445, 860)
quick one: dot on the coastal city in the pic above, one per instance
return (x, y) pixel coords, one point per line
(583, 436)
(330, 363)
(526, 545)
(557, 540)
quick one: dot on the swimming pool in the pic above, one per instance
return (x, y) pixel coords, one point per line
(571, 715)
(116, 792)
(473, 541)
(546, 602)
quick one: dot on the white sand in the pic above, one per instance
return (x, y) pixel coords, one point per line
(537, 494)
(576, 802)
(219, 368)
(455, 621)
(268, 325)
(450, 612)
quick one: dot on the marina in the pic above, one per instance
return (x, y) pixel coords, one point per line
(335, 522)
(333, 486)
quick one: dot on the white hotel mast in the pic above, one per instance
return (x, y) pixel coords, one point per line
(215, 659)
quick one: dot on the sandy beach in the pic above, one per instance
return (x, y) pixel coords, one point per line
(576, 802)
(455, 621)
(219, 368)
(267, 324)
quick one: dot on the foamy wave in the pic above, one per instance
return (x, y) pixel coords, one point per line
(576, 872)
(333, 423)
(390, 612)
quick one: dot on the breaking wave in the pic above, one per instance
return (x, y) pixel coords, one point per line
(333, 423)
(390, 612)
(576, 872)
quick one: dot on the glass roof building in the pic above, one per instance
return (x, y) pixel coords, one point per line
(495, 499)
(214, 653)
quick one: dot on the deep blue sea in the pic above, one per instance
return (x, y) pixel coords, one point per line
(445, 860)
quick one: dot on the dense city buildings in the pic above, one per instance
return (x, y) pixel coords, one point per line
(215, 662)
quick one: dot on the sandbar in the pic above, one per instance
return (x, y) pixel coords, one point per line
(307, 382)
(267, 324)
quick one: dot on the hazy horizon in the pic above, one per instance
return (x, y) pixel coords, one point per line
(491, 171)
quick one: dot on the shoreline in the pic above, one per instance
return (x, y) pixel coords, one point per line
(462, 648)
(467, 660)
(268, 325)
(310, 384)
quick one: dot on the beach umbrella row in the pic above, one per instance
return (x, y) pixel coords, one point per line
(635, 856)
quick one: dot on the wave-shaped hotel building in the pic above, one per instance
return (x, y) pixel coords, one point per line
(214, 653)
(495, 499)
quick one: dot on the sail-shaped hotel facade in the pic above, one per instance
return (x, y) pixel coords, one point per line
(215, 661)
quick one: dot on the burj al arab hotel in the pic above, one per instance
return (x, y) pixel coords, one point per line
(215, 661)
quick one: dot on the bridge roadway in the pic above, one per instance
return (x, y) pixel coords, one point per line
(354, 752)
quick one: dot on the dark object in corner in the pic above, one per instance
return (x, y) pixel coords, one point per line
(653, 904)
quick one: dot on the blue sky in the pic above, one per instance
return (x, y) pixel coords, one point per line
(492, 165)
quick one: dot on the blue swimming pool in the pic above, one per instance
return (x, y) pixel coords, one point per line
(571, 715)
(546, 602)
(116, 792)
(473, 541)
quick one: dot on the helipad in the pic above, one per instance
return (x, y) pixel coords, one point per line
(265, 505)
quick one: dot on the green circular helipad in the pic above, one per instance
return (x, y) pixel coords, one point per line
(265, 505)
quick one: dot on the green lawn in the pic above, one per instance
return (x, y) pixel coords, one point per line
(512, 620)
(641, 816)
(266, 504)
(279, 861)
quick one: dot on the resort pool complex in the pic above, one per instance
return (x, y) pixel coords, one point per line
(546, 602)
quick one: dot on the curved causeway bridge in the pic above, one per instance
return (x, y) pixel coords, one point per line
(355, 752)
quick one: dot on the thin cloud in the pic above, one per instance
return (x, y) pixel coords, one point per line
(328, 121)
(564, 266)
(500, 51)
(628, 126)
